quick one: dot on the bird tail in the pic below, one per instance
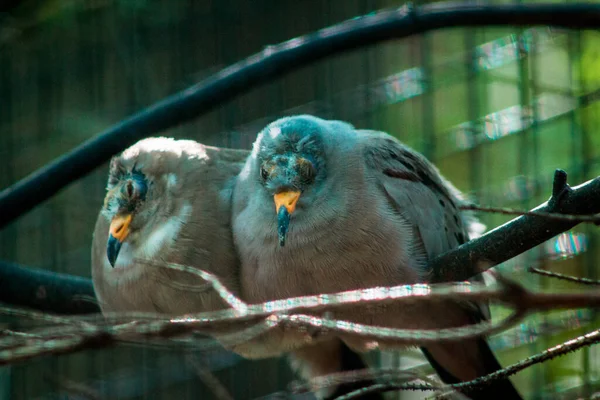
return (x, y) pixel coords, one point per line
(351, 361)
(501, 389)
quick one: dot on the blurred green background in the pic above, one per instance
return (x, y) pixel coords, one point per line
(497, 109)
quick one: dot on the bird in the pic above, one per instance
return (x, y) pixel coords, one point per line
(322, 207)
(167, 201)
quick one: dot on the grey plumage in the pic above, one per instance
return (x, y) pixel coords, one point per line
(370, 212)
(178, 193)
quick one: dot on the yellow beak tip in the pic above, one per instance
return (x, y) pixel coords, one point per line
(286, 199)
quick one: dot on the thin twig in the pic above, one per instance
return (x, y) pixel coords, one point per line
(235, 327)
(383, 388)
(230, 299)
(384, 374)
(551, 353)
(570, 278)
(593, 218)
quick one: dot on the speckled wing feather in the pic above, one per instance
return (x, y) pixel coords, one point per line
(416, 190)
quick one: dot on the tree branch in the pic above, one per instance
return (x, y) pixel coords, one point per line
(569, 278)
(392, 385)
(244, 322)
(522, 233)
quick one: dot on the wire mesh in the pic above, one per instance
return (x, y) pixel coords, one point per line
(496, 109)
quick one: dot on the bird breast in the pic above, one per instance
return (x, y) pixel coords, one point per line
(365, 250)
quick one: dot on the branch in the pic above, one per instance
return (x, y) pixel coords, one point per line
(522, 233)
(569, 278)
(389, 375)
(595, 219)
(244, 322)
(551, 353)
(268, 64)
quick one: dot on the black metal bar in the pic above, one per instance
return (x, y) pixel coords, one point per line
(520, 234)
(268, 64)
(46, 291)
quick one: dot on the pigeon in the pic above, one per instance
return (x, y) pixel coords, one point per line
(322, 207)
(167, 201)
(170, 201)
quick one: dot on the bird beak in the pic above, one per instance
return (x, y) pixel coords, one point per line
(119, 229)
(285, 204)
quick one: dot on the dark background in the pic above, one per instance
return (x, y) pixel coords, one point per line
(496, 109)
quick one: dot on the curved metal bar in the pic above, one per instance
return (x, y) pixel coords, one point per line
(44, 290)
(274, 61)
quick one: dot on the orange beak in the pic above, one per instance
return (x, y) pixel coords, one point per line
(285, 204)
(287, 200)
(118, 232)
(119, 227)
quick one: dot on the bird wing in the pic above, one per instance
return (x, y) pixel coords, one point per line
(415, 189)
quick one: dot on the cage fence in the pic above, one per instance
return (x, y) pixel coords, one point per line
(497, 109)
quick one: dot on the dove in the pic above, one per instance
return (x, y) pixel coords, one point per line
(170, 201)
(321, 207)
(167, 200)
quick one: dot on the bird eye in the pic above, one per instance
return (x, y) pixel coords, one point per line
(264, 173)
(307, 169)
(135, 189)
(129, 189)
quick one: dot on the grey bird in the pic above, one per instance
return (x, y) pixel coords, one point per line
(167, 201)
(321, 207)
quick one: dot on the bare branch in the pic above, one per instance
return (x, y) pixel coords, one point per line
(553, 352)
(583, 281)
(548, 215)
(520, 234)
(399, 377)
(232, 327)
(386, 387)
(229, 298)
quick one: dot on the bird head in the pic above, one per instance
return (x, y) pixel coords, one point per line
(126, 196)
(141, 193)
(291, 162)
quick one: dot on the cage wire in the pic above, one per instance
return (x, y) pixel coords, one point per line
(497, 109)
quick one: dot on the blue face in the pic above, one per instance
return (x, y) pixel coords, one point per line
(289, 171)
(291, 155)
(291, 161)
